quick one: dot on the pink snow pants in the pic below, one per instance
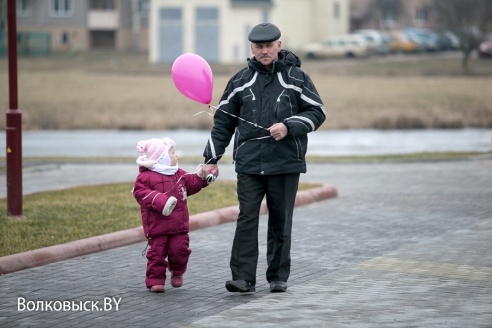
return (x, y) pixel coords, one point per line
(174, 248)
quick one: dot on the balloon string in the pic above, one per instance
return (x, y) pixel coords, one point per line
(181, 177)
(202, 112)
(240, 118)
(200, 166)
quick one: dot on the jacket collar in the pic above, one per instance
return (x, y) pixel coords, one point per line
(285, 60)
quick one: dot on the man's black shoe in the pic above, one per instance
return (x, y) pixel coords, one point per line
(278, 286)
(240, 286)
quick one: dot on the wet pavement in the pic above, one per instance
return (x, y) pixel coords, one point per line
(403, 245)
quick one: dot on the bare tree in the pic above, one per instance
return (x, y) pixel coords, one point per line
(468, 19)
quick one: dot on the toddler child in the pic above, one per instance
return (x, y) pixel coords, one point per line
(161, 189)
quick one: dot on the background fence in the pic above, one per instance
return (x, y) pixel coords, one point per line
(28, 44)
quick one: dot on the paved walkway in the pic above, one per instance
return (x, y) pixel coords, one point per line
(403, 245)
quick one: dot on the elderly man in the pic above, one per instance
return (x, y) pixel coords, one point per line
(269, 106)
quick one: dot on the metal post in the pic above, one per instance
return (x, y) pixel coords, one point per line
(13, 123)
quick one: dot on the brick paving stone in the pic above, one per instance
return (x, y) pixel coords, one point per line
(403, 245)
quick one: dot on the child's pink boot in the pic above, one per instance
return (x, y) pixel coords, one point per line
(177, 280)
(157, 289)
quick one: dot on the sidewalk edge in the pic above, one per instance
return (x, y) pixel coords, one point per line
(46, 255)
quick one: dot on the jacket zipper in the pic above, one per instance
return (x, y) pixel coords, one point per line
(299, 147)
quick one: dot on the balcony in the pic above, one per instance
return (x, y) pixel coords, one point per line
(102, 20)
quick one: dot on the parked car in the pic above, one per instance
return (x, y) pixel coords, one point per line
(485, 48)
(401, 44)
(448, 40)
(428, 40)
(377, 40)
(350, 46)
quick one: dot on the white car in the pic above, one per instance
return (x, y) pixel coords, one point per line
(350, 46)
(378, 40)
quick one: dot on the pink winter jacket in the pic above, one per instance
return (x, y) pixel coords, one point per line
(152, 190)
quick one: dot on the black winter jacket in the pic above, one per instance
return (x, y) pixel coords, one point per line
(254, 100)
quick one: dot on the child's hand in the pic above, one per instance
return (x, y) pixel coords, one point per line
(211, 168)
(208, 172)
(201, 172)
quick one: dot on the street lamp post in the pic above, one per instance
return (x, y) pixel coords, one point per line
(13, 124)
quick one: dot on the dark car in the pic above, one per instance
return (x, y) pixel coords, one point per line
(448, 40)
(485, 48)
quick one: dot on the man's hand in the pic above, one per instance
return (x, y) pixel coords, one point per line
(278, 131)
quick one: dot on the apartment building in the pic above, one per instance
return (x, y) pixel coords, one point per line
(87, 24)
(214, 29)
(390, 15)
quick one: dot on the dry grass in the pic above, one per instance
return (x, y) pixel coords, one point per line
(406, 102)
(115, 91)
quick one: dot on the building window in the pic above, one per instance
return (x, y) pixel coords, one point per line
(64, 38)
(102, 5)
(143, 8)
(23, 8)
(421, 16)
(389, 17)
(336, 10)
(61, 8)
(252, 3)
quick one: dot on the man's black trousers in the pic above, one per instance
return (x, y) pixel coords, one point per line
(280, 191)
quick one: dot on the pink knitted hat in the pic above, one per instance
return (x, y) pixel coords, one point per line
(155, 151)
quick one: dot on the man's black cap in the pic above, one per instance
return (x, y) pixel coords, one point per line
(262, 33)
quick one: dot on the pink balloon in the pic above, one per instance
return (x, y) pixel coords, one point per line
(193, 77)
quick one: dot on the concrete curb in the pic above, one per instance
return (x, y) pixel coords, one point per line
(46, 255)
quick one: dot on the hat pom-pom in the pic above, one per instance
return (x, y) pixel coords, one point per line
(142, 146)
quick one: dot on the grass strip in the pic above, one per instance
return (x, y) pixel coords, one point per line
(61, 216)
(425, 156)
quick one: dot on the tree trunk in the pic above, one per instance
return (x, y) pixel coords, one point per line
(465, 61)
